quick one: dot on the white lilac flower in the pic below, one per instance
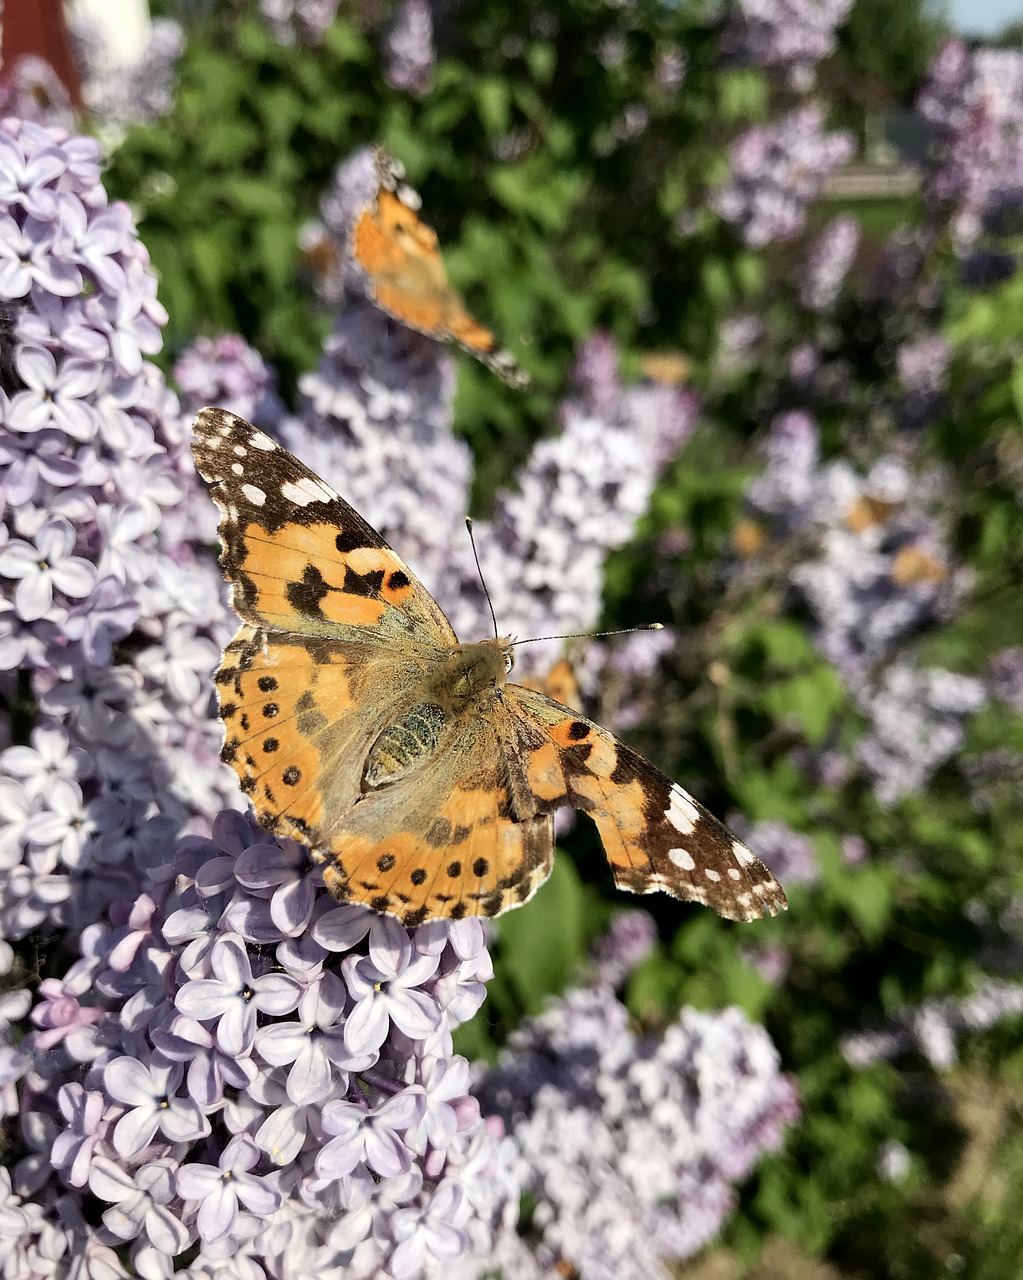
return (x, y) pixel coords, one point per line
(777, 170)
(409, 54)
(974, 99)
(791, 34)
(302, 21)
(828, 263)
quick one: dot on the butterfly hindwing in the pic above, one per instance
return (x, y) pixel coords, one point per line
(655, 834)
(443, 843)
(299, 557)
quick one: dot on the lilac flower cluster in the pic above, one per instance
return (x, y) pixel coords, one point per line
(932, 1028)
(1005, 677)
(975, 101)
(95, 563)
(828, 263)
(791, 34)
(30, 89)
(789, 854)
(875, 568)
(631, 1143)
(309, 1080)
(119, 94)
(409, 54)
(777, 170)
(299, 21)
(227, 372)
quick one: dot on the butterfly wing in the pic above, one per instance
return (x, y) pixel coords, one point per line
(300, 715)
(299, 557)
(655, 834)
(442, 842)
(406, 277)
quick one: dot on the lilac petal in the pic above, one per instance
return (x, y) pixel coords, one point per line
(135, 1131)
(257, 1196)
(291, 907)
(280, 1137)
(389, 945)
(264, 866)
(278, 1045)
(166, 1232)
(403, 1110)
(415, 1013)
(338, 1157)
(386, 1154)
(343, 928)
(74, 576)
(218, 1212)
(33, 597)
(236, 1029)
(129, 1081)
(367, 1025)
(309, 1079)
(202, 998)
(231, 963)
(277, 994)
(37, 367)
(184, 1121)
(196, 1181)
(110, 1182)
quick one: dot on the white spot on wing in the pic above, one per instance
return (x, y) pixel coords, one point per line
(681, 812)
(733, 874)
(260, 441)
(305, 491)
(743, 856)
(256, 496)
(711, 874)
(682, 858)
(237, 469)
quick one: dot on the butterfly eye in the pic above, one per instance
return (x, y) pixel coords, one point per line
(509, 661)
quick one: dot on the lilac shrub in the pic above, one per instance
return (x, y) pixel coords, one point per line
(299, 21)
(777, 170)
(876, 568)
(631, 1143)
(974, 100)
(409, 55)
(793, 35)
(119, 94)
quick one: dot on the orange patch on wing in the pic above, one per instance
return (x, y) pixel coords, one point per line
(351, 610)
(544, 773)
(866, 512)
(913, 566)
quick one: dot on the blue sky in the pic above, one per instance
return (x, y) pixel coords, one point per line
(984, 16)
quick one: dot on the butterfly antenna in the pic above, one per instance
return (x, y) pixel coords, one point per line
(479, 570)
(594, 635)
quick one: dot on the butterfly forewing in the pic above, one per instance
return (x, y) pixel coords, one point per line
(298, 556)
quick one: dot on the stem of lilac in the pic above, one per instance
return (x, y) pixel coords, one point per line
(386, 1084)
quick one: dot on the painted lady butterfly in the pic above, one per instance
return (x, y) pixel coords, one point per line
(359, 725)
(403, 272)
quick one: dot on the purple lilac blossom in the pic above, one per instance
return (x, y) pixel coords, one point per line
(876, 568)
(225, 371)
(119, 94)
(30, 89)
(631, 1144)
(933, 1028)
(777, 171)
(1005, 677)
(974, 99)
(789, 854)
(299, 21)
(792, 34)
(631, 937)
(409, 54)
(828, 263)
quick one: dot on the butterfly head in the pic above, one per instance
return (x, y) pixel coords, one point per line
(473, 671)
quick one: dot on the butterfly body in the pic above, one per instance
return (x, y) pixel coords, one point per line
(423, 781)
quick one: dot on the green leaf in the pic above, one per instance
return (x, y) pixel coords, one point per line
(542, 943)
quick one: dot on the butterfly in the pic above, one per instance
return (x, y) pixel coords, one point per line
(422, 780)
(405, 276)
